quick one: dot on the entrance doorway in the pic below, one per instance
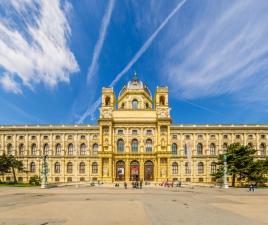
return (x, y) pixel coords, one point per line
(134, 171)
(148, 171)
(120, 170)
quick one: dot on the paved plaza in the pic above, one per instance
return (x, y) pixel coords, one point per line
(116, 206)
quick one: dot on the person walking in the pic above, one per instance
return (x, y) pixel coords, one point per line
(125, 185)
(140, 184)
(250, 187)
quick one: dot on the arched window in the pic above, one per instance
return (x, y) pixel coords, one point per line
(58, 149)
(107, 101)
(174, 168)
(120, 170)
(70, 150)
(69, 167)
(33, 150)
(200, 167)
(95, 149)
(224, 147)
(21, 149)
(148, 170)
(9, 149)
(212, 149)
(82, 167)
(120, 145)
(57, 167)
(94, 167)
(147, 105)
(149, 145)
(262, 149)
(199, 149)
(162, 100)
(134, 145)
(174, 149)
(134, 104)
(32, 167)
(187, 168)
(83, 149)
(122, 105)
(46, 149)
(250, 145)
(213, 168)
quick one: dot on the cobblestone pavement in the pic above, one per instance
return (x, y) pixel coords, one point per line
(116, 206)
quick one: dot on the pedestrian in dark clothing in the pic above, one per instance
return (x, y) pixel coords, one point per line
(125, 185)
(141, 184)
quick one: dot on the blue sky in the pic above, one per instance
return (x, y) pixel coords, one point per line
(55, 56)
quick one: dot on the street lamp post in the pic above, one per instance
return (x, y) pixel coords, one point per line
(44, 183)
(225, 183)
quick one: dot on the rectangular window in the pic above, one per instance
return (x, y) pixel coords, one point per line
(187, 137)
(149, 132)
(120, 132)
(212, 136)
(200, 136)
(134, 132)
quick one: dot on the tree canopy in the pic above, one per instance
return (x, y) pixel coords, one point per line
(242, 164)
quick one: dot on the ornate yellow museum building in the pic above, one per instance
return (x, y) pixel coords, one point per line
(134, 139)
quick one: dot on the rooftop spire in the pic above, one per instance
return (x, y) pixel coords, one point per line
(135, 76)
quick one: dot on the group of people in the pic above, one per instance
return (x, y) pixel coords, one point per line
(170, 184)
(135, 184)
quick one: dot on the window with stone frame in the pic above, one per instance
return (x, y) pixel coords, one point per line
(32, 167)
(149, 146)
(83, 149)
(94, 167)
(69, 167)
(134, 145)
(57, 167)
(174, 149)
(199, 149)
(82, 168)
(200, 167)
(174, 168)
(120, 145)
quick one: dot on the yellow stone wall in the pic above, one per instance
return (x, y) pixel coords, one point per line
(151, 121)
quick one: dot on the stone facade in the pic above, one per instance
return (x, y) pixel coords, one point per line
(134, 139)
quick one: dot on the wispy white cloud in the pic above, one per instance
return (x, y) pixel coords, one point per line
(9, 84)
(92, 108)
(34, 44)
(93, 68)
(224, 52)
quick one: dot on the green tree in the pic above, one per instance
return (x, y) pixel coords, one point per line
(4, 164)
(258, 172)
(239, 160)
(10, 163)
(14, 164)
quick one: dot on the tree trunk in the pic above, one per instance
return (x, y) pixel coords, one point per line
(233, 180)
(14, 175)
